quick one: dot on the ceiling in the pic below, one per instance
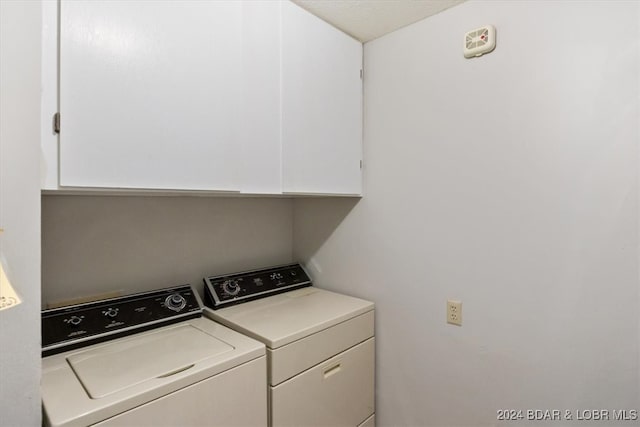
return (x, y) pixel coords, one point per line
(369, 19)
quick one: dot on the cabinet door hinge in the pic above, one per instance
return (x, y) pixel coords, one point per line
(361, 74)
(56, 122)
(360, 164)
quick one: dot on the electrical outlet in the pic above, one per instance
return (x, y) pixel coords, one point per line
(454, 312)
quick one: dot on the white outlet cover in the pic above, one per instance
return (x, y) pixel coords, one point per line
(454, 312)
(479, 41)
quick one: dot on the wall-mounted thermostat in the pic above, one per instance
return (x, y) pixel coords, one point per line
(479, 41)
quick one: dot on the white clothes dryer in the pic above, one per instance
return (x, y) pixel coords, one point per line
(320, 344)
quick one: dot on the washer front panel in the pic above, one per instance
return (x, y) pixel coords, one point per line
(80, 325)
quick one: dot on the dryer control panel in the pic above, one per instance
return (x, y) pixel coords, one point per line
(75, 326)
(223, 291)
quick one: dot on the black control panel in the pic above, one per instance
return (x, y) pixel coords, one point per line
(75, 326)
(223, 291)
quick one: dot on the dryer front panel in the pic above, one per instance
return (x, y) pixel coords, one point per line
(337, 392)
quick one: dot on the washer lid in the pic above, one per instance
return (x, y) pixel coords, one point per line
(119, 365)
(281, 319)
(65, 401)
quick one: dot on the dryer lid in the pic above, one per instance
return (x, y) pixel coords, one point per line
(282, 319)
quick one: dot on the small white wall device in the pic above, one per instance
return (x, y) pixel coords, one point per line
(479, 41)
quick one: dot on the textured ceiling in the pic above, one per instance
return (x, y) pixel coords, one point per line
(369, 19)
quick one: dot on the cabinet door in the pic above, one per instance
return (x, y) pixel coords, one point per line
(261, 148)
(321, 106)
(150, 94)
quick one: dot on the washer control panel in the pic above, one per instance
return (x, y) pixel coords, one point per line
(78, 325)
(223, 291)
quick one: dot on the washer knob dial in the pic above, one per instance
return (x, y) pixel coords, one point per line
(175, 302)
(231, 287)
(111, 312)
(75, 320)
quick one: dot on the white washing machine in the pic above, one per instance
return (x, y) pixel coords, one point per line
(320, 344)
(101, 368)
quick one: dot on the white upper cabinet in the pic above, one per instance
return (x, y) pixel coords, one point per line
(321, 106)
(260, 119)
(249, 96)
(150, 94)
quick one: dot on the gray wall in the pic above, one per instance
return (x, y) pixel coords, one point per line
(20, 49)
(100, 244)
(509, 182)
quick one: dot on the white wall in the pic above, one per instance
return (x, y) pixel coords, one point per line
(100, 244)
(20, 210)
(509, 182)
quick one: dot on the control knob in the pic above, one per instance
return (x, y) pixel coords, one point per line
(111, 312)
(175, 302)
(276, 276)
(75, 320)
(231, 287)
